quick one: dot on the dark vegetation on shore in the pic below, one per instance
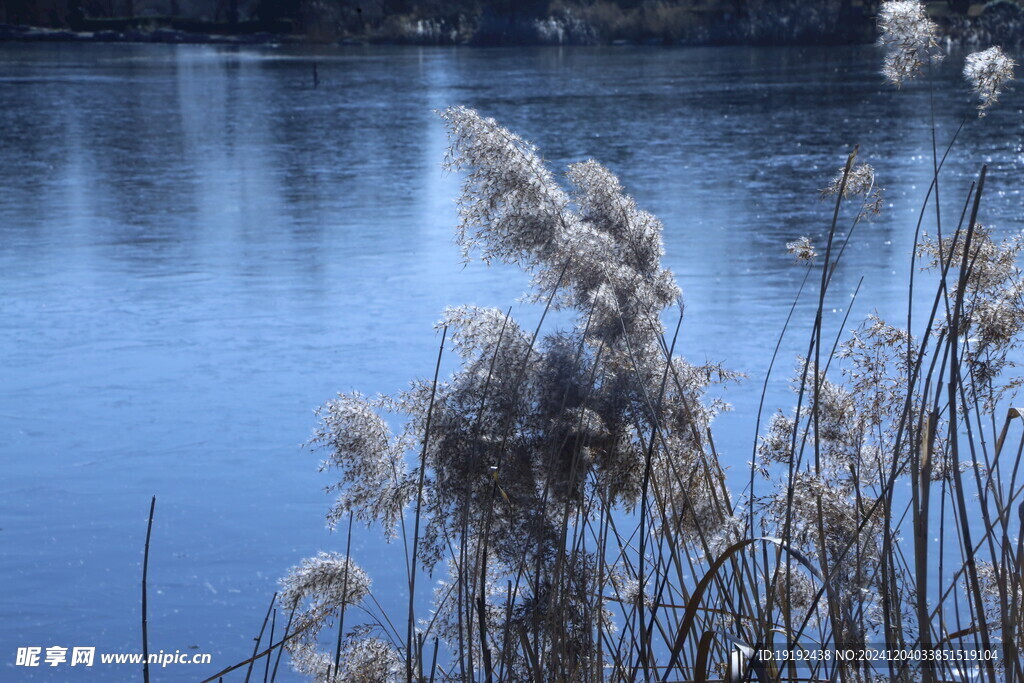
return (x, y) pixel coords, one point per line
(492, 22)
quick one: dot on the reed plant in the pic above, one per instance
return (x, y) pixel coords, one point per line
(562, 491)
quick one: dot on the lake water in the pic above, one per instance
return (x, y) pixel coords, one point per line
(198, 247)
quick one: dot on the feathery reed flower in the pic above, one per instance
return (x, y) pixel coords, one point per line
(794, 592)
(802, 249)
(369, 660)
(993, 313)
(776, 446)
(988, 72)
(909, 38)
(860, 182)
(328, 581)
(375, 484)
(317, 590)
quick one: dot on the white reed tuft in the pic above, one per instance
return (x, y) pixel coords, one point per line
(988, 72)
(909, 38)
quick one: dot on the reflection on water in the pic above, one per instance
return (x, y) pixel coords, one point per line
(197, 248)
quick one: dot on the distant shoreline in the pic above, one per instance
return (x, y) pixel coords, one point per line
(35, 34)
(1003, 25)
(538, 33)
